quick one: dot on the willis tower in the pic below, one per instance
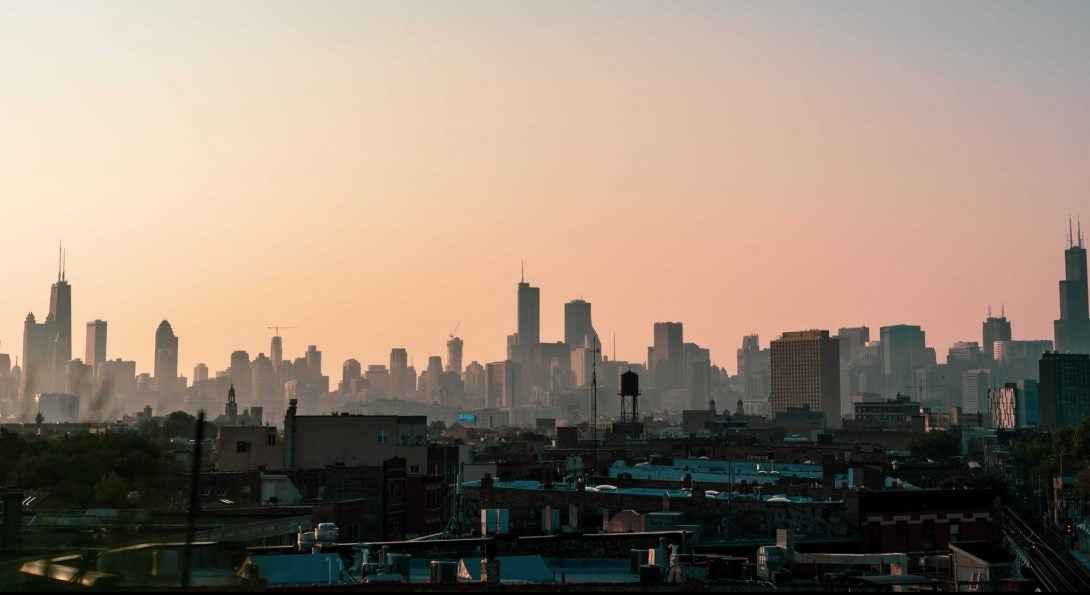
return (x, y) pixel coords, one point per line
(1073, 327)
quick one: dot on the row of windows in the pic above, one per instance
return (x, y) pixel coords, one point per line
(384, 438)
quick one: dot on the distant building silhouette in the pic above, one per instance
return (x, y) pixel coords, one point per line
(806, 373)
(239, 372)
(529, 314)
(399, 375)
(1072, 330)
(995, 329)
(664, 358)
(96, 344)
(577, 322)
(454, 355)
(166, 358)
(502, 383)
(904, 350)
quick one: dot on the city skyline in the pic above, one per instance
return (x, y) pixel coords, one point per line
(723, 358)
(748, 169)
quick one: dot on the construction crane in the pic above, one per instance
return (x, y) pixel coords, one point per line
(455, 329)
(277, 328)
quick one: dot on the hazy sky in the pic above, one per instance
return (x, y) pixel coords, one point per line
(373, 172)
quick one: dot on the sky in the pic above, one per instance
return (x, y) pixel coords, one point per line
(375, 172)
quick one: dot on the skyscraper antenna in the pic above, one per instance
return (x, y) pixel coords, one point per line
(60, 257)
(1002, 310)
(64, 265)
(989, 310)
(522, 264)
(1070, 242)
(1080, 230)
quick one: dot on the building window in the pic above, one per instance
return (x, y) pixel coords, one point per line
(414, 469)
(241, 447)
(383, 436)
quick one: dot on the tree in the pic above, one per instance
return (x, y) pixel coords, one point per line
(935, 445)
(437, 427)
(111, 492)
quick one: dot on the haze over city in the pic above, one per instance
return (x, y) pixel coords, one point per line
(375, 172)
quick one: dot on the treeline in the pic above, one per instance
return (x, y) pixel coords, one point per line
(98, 470)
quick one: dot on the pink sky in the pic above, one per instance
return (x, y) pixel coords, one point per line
(374, 172)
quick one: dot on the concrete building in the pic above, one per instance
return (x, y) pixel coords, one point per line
(399, 377)
(316, 441)
(806, 372)
(904, 351)
(974, 391)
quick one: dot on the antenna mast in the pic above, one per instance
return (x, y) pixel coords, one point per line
(594, 403)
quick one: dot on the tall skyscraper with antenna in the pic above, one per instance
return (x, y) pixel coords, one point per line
(1073, 327)
(529, 313)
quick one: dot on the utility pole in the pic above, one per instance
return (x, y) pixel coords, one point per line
(594, 403)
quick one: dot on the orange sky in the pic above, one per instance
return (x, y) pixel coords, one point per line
(373, 172)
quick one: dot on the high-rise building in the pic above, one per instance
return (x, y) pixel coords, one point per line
(96, 344)
(1073, 327)
(853, 340)
(995, 329)
(262, 379)
(1018, 360)
(434, 372)
(755, 369)
(529, 314)
(378, 382)
(806, 373)
(665, 356)
(974, 391)
(47, 346)
(576, 322)
(454, 355)
(60, 315)
(1064, 390)
(276, 352)
(314, 361)
(399, 380)
(1003, 405)
(502, 381)
(351, 372)
(904, 351)
(200, 373)
(117, 379)
(475, 382)
(239, 372)
(166, 358)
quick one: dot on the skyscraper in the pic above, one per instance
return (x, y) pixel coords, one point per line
(240, 375)
(806, 373)
(529, 314)
(60, 316)
(1064, 390)
(1073, 327)
(399, 381)
(576, 322)
(96, 344)
(502, 382)
(904, 351)
(200, 374)
(166, 358)
(665, 357)
(454, 355)
(351, 372)
(995, 329)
